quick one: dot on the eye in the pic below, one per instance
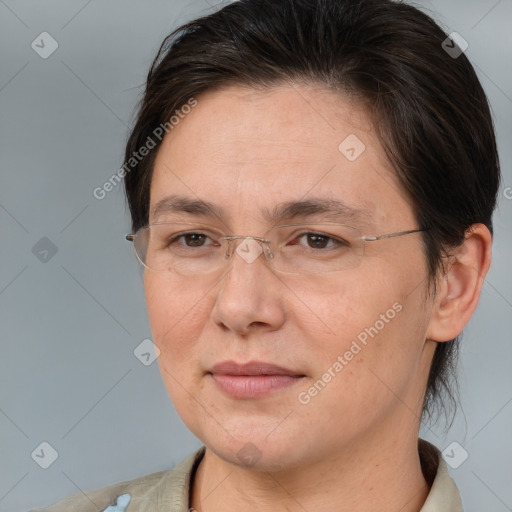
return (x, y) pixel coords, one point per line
(321, 240)
(191, 239)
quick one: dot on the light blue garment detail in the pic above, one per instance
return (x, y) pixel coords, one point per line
(121, 504)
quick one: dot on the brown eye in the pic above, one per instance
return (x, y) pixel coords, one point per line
(194, 239)
(320, 241)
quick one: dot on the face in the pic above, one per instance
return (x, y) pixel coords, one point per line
(354, 340)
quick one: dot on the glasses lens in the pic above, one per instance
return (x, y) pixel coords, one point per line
(313, 249)
(181, 248)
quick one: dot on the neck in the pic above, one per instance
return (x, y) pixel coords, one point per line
(369, 475)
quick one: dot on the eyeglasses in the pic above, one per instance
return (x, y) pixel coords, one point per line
(301, 249)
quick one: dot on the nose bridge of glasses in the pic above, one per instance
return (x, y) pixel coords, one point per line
(248, 247)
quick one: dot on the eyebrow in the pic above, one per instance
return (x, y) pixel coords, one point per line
(281, 212)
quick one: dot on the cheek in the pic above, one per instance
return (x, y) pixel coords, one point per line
(366, 330)
(176, 314)
(334, 313)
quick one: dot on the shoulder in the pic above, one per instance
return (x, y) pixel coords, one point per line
(444, 495)
(169, 488)
(100, 499)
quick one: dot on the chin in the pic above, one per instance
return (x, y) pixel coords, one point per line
(256, 451)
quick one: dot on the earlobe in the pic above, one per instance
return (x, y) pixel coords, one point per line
(458, 289)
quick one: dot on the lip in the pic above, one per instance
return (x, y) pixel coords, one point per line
(252, 368)
(254, 379)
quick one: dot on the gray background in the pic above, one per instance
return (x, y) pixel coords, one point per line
(69, 326)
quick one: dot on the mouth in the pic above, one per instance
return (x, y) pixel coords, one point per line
(252, 380)
(252, 368)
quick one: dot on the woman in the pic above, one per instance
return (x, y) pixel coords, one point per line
(311, 185)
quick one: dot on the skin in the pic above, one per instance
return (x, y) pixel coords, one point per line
(354, 445)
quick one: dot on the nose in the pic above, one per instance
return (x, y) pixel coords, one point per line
(249, 294)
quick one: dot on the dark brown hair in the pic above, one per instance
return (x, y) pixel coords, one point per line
(429, 108)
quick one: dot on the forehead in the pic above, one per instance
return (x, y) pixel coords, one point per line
(248, 150)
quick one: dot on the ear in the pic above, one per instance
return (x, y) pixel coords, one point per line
(458, 289)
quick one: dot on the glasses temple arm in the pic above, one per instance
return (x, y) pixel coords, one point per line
(391, 235)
